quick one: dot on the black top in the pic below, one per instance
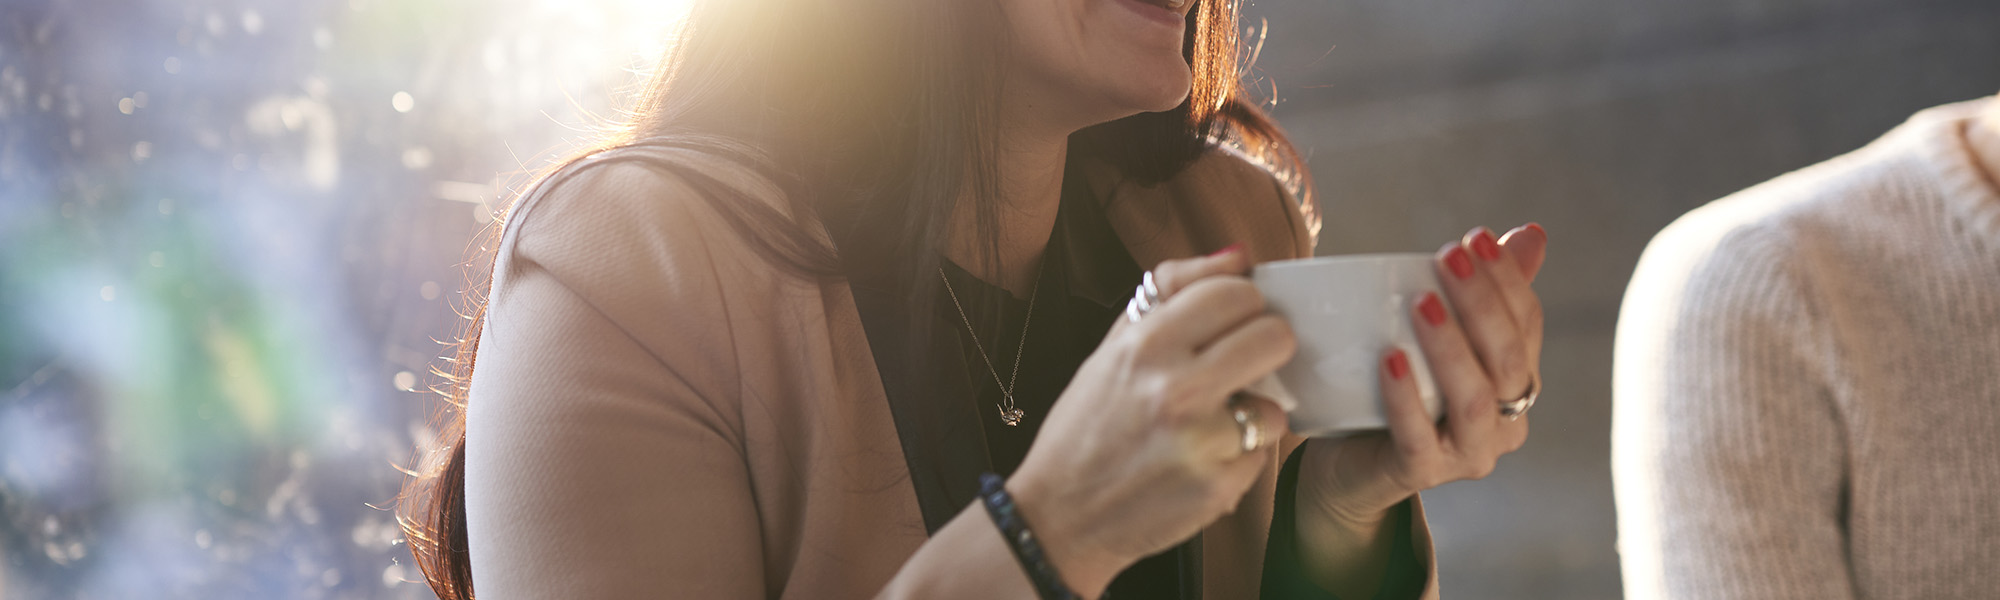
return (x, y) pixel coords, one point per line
(1063, 330)
(1086, 275)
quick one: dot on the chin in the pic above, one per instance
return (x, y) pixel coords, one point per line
(1159, 90)
(1170, 96)
(1170, 99)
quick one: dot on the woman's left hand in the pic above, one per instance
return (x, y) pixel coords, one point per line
(1485, 351)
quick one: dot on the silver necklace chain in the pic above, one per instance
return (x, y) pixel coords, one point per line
(1009, 414)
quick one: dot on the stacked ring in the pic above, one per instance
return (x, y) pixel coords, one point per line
(1145, 298)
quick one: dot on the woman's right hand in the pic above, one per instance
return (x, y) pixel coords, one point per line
(1141, 450)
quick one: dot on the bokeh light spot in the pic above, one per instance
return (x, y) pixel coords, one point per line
(417, 158)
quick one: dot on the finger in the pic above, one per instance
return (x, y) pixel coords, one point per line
(1170, 277)
(1202, 312)
(1243, 468)
(1243, 355)
(1272, 417)
(1506, 275)
(1239, 474)
(1413, 429)
(1484, 316)
(1471, 409)
(1528, 245)
(1267, 415)
(1175, 275)
(1514, 433)
(1214, 434)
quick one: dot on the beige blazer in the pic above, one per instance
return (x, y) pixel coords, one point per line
(658, 412)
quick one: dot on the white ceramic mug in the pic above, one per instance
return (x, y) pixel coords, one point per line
(1347, 312)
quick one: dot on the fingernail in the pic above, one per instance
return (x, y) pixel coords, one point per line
(1232, 248)
(1484, 244)
(1432, 309)
(1538, 229)
(1397, 363)
(1460, 264)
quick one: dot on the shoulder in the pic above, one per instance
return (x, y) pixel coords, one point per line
(1766, 255)
(639, 210)
(1221, 198)
(631, 203)
(1745, 256)
(1854, 199)
(1231, 184)
(1849, 200)
(1226, 165)
(644, 234)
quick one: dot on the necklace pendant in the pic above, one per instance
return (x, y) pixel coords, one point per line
(1010, 416)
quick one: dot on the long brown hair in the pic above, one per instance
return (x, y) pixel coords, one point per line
(914, 135)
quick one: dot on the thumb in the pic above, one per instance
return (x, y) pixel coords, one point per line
(1529, 245)
(1175, 275)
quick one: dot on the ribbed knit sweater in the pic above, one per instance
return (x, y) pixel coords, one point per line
(1807, 383)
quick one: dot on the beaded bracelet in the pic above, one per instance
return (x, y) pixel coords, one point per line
(1014, 528)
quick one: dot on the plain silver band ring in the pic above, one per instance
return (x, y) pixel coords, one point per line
(1513, 409)
(1247, 423)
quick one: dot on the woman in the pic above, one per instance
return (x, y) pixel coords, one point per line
(1805, 386)
(850, 256)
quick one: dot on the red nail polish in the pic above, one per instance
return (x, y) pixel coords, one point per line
(1484, 244)
(1460, 264)
(1432, 309)
(1232, 248)
(1397, 363)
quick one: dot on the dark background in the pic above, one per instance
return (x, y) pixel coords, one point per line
(231, 235)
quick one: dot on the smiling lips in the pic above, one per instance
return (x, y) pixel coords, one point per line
(1171, 13)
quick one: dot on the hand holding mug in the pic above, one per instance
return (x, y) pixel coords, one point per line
(1144, 448)
(1483, 352)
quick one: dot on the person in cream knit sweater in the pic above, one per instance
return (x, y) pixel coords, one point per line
(1808, 380)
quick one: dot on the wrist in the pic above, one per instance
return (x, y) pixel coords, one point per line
(1327, 497)
(1343, 534)
(1320, 516)
(1346, 558)
(1086, 569)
